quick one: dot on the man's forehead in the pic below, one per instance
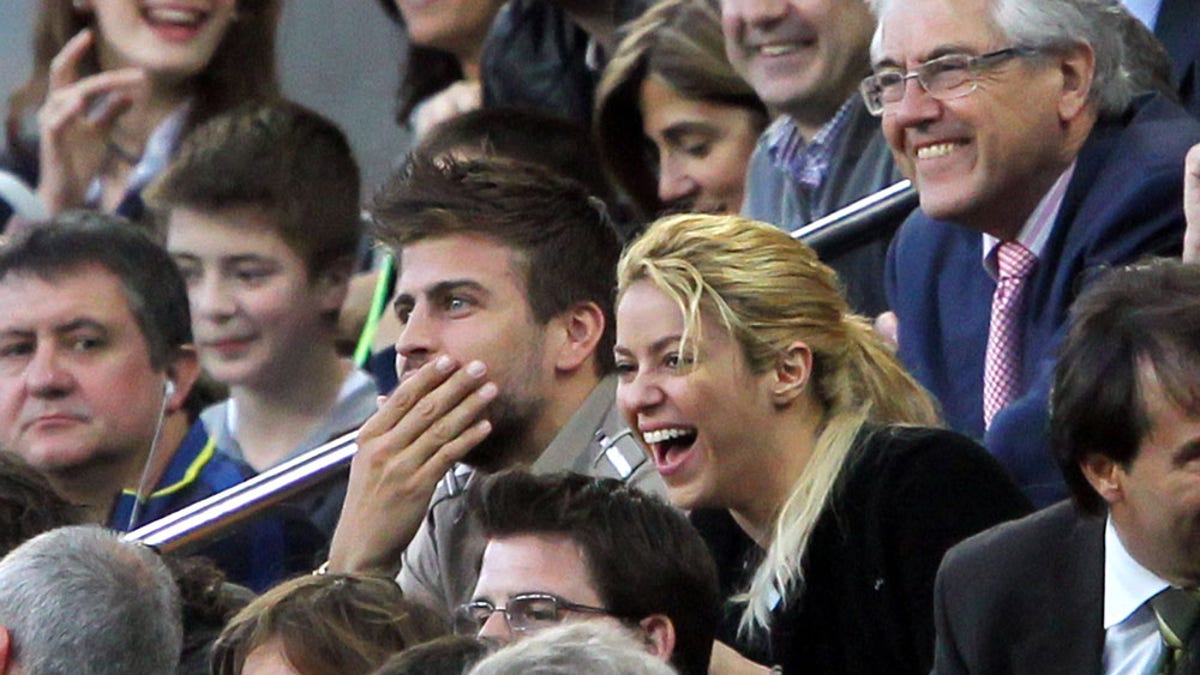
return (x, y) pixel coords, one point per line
(89, 292)
(477, 259)
(533, 563)
(915, 31)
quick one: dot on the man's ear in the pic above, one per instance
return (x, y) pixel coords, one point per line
(660, 635)
(582, 326)
(793, 370)
(1077, 66)
(1105, 475)
(332, 284)
(6, 657)
(183, 372)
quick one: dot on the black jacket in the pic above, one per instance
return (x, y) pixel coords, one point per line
(904, 498)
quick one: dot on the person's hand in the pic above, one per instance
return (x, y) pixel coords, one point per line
(426, 425)
(726, 661)
(460, 97)
(1191, 206)
(76, 121)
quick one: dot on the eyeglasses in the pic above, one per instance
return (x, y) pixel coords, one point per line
(946, 77)
(525, 612)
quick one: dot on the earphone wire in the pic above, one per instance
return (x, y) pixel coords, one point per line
(140, 497)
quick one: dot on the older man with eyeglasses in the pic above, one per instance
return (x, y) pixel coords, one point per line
(1037, 163)
(565, 547)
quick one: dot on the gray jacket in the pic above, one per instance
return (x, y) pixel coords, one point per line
(861, 164)
(441, 564)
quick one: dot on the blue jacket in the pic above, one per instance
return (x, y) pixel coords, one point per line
(1124, 202)
(257, 556)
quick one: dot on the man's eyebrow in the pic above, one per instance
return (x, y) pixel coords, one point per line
(406, 299)
(935, 53)
(948, 49)
(451, 285)
(82, 323)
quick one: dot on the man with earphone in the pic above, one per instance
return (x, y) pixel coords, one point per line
(97, 379)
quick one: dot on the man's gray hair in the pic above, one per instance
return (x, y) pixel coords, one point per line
(1058, 24)
(79, 601)
(594, 647)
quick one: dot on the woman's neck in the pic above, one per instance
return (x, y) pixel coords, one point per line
(275, 418)
(786, 449)
(135, 126)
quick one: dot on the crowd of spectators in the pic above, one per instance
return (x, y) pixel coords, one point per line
(610, 412)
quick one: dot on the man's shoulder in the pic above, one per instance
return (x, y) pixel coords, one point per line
(1023, 549)
(1146, 146)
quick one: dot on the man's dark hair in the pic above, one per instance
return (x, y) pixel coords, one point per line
(29, 505)
(561, 144)
(154, 288)
(643, 556)
(282, 158)
(562, 236)
(1130, 322)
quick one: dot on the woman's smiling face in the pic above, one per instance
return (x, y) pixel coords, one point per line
(172, 39)
(697, 410)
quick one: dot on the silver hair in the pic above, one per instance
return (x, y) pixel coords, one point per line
(79, 601)
(1057, 24)
(580, 648)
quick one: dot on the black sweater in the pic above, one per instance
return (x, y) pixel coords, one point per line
(905, 496)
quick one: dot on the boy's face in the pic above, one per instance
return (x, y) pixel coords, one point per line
(255, 311)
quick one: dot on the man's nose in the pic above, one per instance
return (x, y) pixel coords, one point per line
(47, 375)
(496, 629)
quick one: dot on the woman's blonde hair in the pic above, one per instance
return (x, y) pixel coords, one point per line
(769, 290)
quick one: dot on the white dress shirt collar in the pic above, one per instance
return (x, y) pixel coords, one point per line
(1127, 584)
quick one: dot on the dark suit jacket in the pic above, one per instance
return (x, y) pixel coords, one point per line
(1123, 203)
(1023, 597)
(1178, 28)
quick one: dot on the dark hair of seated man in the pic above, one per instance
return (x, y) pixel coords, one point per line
(643, 556)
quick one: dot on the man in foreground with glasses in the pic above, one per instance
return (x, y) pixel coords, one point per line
(567, 547)
(1037, 163)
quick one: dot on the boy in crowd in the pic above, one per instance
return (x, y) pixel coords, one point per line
(261, 213)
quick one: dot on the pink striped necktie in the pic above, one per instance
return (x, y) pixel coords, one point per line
(1002, 365)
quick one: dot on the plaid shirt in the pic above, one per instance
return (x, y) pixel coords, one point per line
(807, 162)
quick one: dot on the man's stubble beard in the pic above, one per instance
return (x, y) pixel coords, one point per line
(511, 420)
